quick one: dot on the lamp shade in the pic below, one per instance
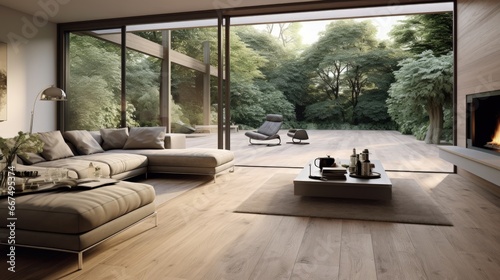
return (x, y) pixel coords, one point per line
(49, 94)
(53, 94)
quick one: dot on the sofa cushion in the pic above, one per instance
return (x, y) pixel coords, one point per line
(83, 141)
(146, 138)
(117, 162)
(97, 136)
(80, 167)
(192, 157)
(54, 146)
(31, 158)
(75, 212)
(114, 138)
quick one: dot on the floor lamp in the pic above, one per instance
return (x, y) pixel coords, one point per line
(49, 94)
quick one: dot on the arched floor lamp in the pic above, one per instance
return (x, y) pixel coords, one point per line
(49, 94)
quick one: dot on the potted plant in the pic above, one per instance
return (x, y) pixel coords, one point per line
(22, 144)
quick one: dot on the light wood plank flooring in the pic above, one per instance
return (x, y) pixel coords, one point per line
(199, 237)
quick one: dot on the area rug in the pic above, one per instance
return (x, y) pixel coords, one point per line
(170, 186)
(409, 204)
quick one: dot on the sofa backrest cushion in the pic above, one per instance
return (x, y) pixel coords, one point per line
(146, 138)
(97, 136)
(83, 141)
(31, 158)
(54, 146)
(272, 125)
(113, 138)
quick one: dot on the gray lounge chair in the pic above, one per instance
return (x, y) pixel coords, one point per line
(268, 130)
(298, 134)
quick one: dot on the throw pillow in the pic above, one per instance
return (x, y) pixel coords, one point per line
(97, 136)
(31, 158)
(54, 146)
(146, 138)
(113, 138)
(83, 141)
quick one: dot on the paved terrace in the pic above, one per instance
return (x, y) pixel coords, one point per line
(397, 152)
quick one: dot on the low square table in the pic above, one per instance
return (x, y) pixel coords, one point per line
(359, 188)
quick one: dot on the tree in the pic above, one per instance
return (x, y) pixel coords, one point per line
(255, 57)
(424, 82)
(419, 33)
(143, 87)
(292, 78)
(95, 85)
(346, 60)
(286, 33)
(266, 46)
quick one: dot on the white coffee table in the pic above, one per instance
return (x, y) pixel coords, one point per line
(359, 188)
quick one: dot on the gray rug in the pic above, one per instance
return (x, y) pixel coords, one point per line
(409, 204)
(170, 186)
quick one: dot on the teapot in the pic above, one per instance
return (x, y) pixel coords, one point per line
(324, 162)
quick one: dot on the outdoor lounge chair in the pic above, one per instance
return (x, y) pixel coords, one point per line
(298, 134)
(268, 130)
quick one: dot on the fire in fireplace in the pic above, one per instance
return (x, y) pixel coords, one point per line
(495, 139)
(483, 125)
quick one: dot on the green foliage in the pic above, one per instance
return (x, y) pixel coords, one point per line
(143, 85)
(251, 102)
(419, 33)
(21, 144)
(345, 64)
(327, 111)
(372, 108)
(271, 52)
(422, 85)
(94, 85)
(286, 34)
(339, 82)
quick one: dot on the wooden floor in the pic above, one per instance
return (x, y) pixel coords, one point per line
(199, 236)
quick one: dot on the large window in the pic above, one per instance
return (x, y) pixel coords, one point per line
(171, 77)
(93, 83)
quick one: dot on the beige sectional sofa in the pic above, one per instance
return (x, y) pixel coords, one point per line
(122, 154)
(75, 221)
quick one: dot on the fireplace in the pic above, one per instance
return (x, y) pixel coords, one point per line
(483, 122)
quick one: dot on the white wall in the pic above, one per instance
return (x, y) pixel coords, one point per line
(31, 67)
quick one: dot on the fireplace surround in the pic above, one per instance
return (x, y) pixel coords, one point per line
(483, 122)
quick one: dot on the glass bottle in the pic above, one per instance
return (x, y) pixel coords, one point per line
(358, 165)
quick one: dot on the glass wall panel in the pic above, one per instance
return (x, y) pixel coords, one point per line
(194, 84)
(171, 76)
(93, 83)
(143, 89)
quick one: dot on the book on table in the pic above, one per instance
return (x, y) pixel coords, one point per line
(333, 173)
(83, 184)
(64, 185)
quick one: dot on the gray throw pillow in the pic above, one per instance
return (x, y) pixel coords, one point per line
(97, 136)
(83, 141)
(146, 138)
(113, 138)
(31, 158)
(54, 146)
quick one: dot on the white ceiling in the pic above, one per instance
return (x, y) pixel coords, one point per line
(61, 11)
